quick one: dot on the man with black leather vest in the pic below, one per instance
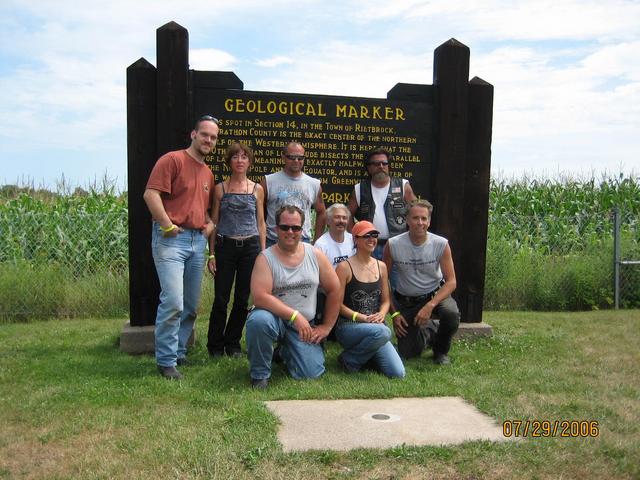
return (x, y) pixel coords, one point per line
(381, 199)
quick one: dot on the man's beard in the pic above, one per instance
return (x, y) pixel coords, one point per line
(380, 176)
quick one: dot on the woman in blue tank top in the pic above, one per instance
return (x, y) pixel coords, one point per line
(238, 237)
(360, 328)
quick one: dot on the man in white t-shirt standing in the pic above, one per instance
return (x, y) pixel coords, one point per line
(381, 199)
(336, 243)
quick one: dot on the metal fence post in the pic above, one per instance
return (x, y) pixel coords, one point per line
(616, 257)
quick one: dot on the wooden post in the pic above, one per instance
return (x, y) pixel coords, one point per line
(451, 84)
(144, 287)
(174, 118)
(476, 195)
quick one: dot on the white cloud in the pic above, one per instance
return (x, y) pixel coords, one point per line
(211, 59)
(341, 68)
(274, 61)
(515, 20)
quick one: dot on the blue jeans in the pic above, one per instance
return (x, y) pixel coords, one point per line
(180, 263)
(369, 345)
(303, 360)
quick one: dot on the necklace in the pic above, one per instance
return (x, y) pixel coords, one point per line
(370, 267)
(238, 186)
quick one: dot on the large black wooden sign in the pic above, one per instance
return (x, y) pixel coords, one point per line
(439, 135)
(335, 131)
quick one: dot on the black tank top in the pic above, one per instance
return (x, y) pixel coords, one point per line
(363, 297)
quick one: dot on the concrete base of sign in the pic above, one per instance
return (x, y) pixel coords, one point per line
(473, 330)
(350, 424)
(140, 340)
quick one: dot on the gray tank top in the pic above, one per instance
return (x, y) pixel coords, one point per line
(418, 266)
(296, 286)
(282, 190)
(238, 214)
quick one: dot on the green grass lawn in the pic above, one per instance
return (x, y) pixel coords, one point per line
(73, 406)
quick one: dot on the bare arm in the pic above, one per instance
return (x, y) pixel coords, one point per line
(385, 300)
(321, 216)
(265, 199)
(409, 196)
(449, 275)
(331, 285)
(215, 218)
(399, 323)
(353, 208)
(154, 202)
(261, 288)
(344, 275)
(262, 226)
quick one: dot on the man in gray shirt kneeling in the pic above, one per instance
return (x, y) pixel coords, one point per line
(284, 285)
(426, 280)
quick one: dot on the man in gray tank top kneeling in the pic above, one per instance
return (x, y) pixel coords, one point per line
(284, 285)
(426, 280)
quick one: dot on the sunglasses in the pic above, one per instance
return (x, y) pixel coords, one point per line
(293, 228)
(368, 235)
(209, 118)
(377, 164)
(299, 158)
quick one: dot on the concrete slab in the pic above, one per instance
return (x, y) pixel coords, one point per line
(350, 424)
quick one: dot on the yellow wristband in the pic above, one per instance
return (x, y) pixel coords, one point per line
(168, 229)
(353, 317)
(394, 315)
(293, 316)
(212, 256)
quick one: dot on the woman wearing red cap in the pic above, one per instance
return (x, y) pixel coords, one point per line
(360, 328)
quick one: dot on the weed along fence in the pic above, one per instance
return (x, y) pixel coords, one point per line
(440, 136)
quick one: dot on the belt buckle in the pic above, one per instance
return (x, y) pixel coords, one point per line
(239, 242)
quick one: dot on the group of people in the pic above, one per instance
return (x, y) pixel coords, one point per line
(260, 244)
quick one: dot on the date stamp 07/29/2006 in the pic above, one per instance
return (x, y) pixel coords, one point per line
(551, 428)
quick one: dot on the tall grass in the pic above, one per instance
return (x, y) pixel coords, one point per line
(550, 243)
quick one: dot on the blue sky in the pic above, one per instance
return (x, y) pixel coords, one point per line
(566, 73)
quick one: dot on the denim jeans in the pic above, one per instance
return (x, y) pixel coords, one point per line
(417, 338)
(303, 360)
(369, 345)
(180, 263)
(234, 258)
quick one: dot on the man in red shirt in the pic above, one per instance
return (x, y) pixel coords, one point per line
(179, 194)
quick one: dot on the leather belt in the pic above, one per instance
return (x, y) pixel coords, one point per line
(238, 242)
(409, 301)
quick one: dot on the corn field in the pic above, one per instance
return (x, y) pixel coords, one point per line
(550, 247)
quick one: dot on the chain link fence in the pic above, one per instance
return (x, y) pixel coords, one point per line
(74, 264)
(561, 263)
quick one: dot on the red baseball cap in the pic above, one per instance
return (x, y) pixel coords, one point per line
(362, 228)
